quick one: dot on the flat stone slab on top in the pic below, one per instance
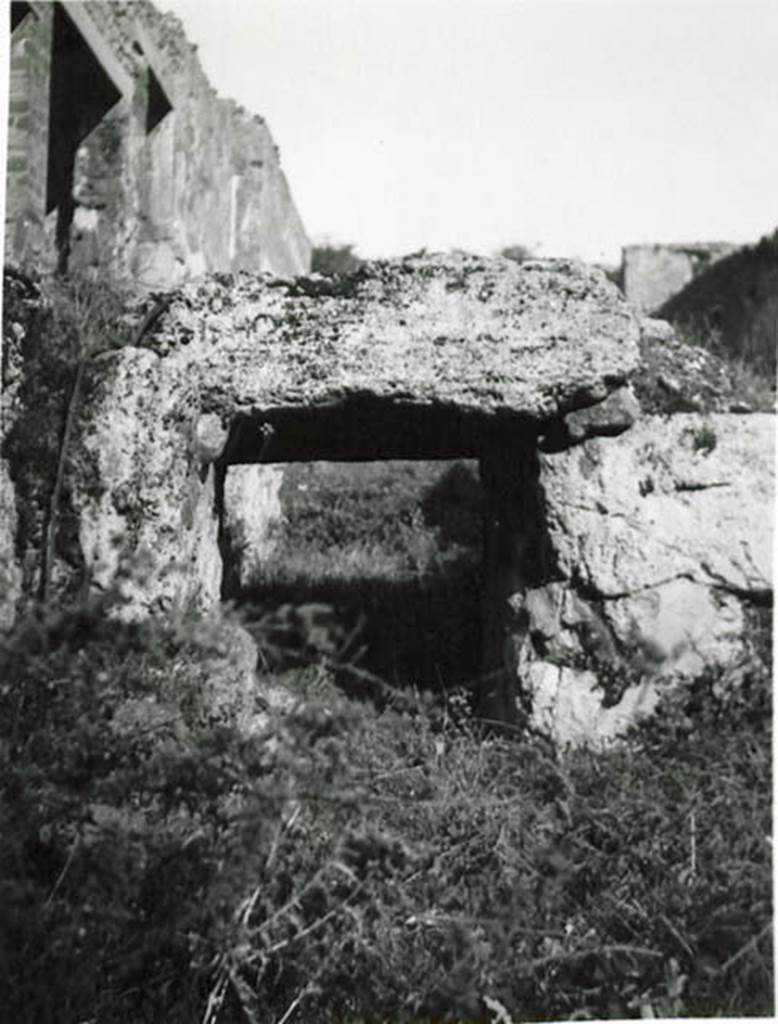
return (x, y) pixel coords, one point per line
(455, 332)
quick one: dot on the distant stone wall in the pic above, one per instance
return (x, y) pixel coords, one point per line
(652, 274)
(122, 157)
(735, 304)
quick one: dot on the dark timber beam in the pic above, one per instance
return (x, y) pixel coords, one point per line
(515, 558)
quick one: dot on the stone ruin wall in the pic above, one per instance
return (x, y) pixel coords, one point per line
(652, 274)
(123, 161)
(609, 536)
(122, 157)
(171, 181)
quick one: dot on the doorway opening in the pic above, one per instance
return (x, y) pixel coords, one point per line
(373, 566)
(82, 93)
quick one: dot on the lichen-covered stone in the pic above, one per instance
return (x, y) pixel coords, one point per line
(140, 489)
(534, 340)
(661, 539)
(685, 496)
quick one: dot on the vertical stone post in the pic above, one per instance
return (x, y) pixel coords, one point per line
(514, 559)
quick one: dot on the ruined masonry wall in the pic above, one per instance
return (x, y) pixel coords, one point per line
(202, 190)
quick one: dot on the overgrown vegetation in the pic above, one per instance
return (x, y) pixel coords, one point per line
(52, 328)
(330, 259)
(161, 860)
(732, 308)
(695, 373)
(518, 253)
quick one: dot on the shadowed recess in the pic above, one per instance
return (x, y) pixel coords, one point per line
(365, 429)
(82, 93)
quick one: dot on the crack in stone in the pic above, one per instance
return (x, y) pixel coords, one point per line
(755, 595)
(682, 486)
(591, 594)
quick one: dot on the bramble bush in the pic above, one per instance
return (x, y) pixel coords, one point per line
(334, 862)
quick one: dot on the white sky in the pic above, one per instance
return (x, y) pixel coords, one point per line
(572, 127)
(576, 127)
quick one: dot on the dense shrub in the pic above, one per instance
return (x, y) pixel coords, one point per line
(330, 259)
(335, 862)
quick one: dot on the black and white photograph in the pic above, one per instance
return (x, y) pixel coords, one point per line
(387, 468)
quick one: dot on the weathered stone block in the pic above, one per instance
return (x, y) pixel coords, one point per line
(568, 705)
(660, 540)
(252, 516)
(682, 496)
(142, 491)
(459, 333)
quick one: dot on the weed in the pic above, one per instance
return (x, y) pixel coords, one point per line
(338, 862)
(704, 439)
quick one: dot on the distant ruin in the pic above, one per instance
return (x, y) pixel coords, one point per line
(122, 157)
(652, 274)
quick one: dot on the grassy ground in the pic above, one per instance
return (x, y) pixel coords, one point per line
(345, 863)
(350, 860)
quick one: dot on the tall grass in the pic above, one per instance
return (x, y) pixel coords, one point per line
(329, 861)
